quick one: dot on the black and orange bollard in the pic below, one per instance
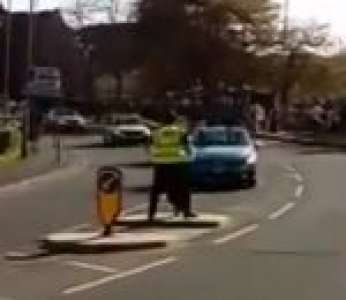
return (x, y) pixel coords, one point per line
(109, 196)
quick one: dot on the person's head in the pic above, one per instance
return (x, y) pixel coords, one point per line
(169, 117)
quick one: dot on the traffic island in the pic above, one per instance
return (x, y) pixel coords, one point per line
(167, 220)
(130, 232)
(134, 232)
(95, 242)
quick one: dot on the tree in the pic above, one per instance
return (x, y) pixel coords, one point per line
(115, 50)
(205, 39)
(300, 46)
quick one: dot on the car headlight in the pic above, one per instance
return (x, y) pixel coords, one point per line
(252, 158)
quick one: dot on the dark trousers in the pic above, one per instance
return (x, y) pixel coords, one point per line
(173, 180)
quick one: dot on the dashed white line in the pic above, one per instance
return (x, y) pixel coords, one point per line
(299, 191)
(88, 266)
(237, 234)
(102, 281)
(291, 169)
(280, 212)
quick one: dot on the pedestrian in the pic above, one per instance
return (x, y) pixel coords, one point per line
(274, 119)
(260, 117)
(317, 115)
(170, 157)
(252, 119)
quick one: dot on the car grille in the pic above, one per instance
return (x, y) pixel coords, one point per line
(208, 166)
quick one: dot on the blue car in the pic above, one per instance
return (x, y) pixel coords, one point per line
(222, 156)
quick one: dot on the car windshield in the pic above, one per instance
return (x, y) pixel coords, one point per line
(221, 137)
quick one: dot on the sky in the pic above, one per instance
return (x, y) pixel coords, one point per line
(326, 11)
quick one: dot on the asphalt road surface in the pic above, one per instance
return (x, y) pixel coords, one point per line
(286, 240)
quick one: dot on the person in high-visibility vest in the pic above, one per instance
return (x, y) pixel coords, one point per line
(170, 157)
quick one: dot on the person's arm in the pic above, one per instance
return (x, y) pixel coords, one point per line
(186, 143)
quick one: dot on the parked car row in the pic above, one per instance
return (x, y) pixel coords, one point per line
(220, 154)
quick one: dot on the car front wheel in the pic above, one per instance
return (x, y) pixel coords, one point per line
(251, 180)
(108, 140)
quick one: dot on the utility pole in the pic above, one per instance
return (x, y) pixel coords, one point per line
(286, 20)
(26, 111)
(114, 10)
(8, 50)
(79, 13)
(30, 36)
(283, 105)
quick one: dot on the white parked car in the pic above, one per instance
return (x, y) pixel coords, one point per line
(127, 129)
(66, 120)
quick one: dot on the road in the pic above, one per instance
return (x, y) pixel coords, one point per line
(286, 239)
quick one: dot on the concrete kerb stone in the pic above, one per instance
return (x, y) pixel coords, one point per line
(166, 220)
(94, 242)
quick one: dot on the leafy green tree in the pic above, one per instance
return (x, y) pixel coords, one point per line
(205, 39)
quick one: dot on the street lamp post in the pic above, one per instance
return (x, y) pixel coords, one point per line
(8, 50)
(286, 19)
(286, 67)
(30, 36)
(26, 111)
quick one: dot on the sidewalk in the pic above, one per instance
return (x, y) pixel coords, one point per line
(334, 140)
(35, 165)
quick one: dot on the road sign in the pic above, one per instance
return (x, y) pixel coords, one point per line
(44, 81)
(109, 196)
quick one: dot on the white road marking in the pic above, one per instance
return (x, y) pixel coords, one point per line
(298, 177)
(260, 143)
(135, 208)
(82, 226)
(77, 227)
(237, 234)
(291, 169)
(299, 191)
(102, 281)
(93, 267)
(280, 212)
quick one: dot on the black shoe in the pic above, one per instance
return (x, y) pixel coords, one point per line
(190, 215)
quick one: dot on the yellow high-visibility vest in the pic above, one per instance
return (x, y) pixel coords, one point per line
(168, 146)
